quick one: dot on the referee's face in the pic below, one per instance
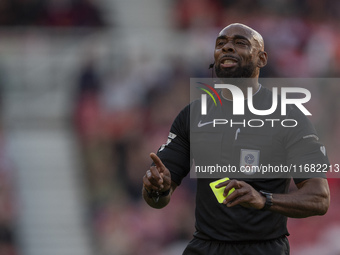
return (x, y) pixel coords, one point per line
(237, 52)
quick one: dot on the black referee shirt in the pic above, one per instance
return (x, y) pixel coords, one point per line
(192, 139)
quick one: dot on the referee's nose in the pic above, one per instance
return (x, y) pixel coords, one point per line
(229, 47)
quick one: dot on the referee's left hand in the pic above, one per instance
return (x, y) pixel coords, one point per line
(244, 194)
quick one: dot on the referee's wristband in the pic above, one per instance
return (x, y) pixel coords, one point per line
(155, 195)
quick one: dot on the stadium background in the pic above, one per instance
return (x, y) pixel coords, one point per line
(89, 88)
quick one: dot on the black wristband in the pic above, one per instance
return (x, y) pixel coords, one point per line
(269, 200)
(155, 195)
(164, 193)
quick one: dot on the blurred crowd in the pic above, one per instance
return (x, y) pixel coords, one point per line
(120, 118)
(50, 13)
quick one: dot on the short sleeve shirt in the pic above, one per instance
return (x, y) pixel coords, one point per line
(273, 146)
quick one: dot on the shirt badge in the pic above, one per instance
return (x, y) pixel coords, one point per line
(249, 161)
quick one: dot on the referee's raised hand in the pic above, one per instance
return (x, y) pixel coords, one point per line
(157, 178)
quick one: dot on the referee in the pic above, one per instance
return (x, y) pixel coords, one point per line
(252, 220)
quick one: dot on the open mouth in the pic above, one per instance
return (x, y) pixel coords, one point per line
(228, 62)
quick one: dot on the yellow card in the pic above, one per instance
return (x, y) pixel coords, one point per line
(219, 192)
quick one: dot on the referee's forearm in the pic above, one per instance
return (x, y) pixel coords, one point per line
(301, 207)
(312, 198)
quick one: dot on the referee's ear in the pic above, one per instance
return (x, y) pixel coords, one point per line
(262, 59)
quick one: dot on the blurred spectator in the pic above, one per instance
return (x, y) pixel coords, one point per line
(20, 12)
(71, 13)
(196, 13)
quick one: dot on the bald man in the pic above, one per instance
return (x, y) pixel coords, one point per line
(252, 219)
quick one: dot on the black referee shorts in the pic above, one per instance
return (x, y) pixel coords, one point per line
(279, 246)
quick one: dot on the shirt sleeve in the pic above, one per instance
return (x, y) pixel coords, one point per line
(175, 153)
(305, 153)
